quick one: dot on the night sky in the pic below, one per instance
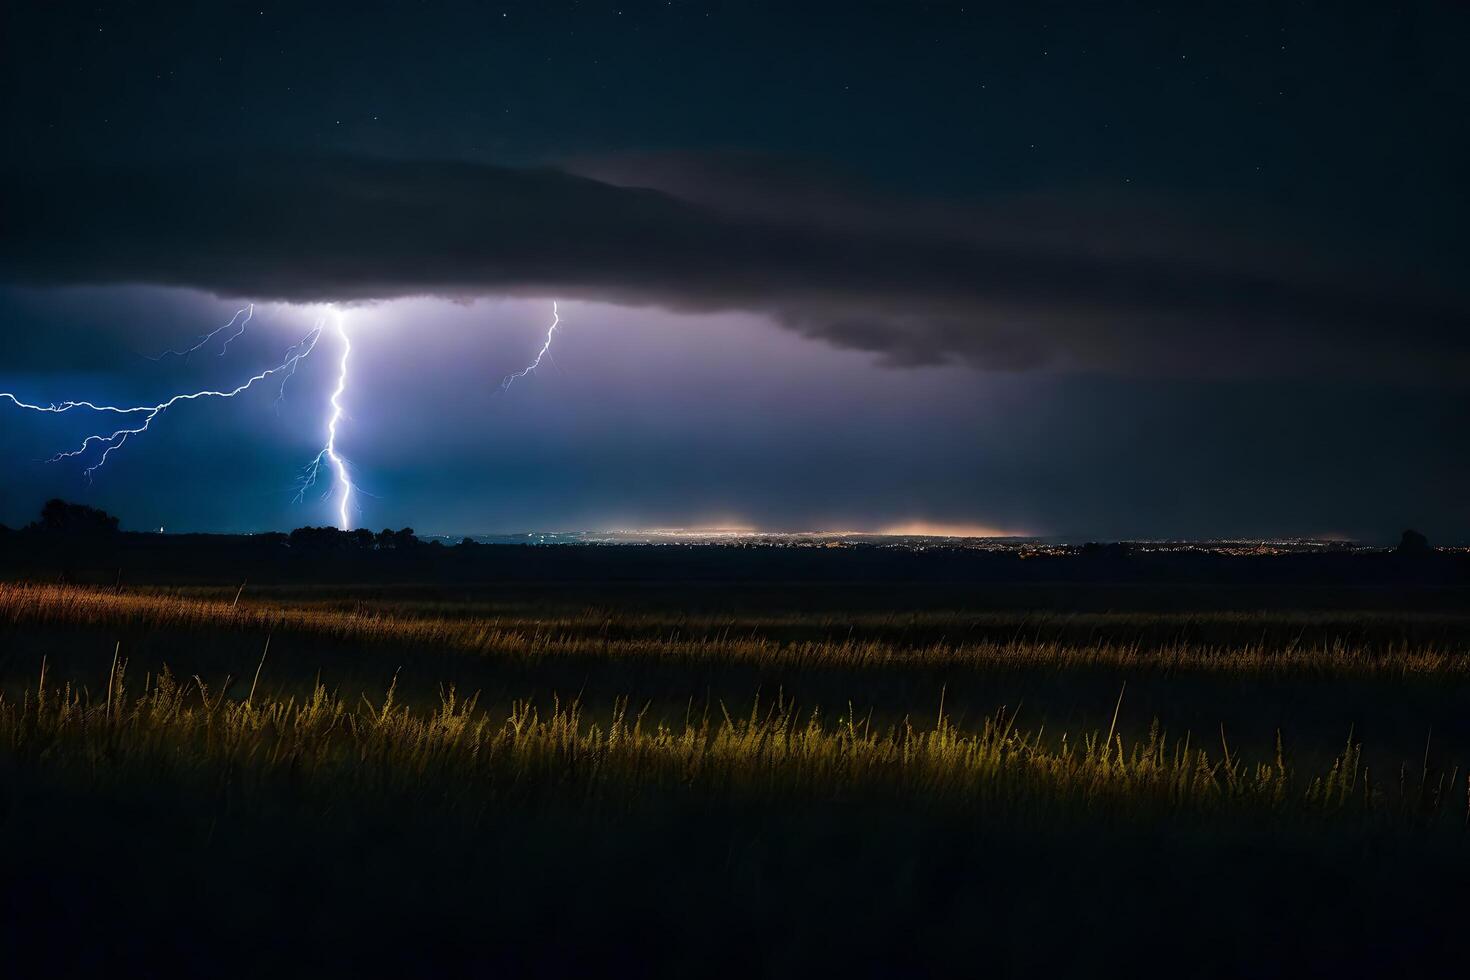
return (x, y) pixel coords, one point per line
(1099, 271)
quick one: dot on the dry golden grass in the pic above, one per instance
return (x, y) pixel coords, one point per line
(756, 641)
(324, 748)
(456, 749)
(210, 813)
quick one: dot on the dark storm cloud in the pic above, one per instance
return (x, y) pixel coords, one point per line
(914, 284)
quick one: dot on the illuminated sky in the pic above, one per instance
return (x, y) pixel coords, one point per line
(856, 266)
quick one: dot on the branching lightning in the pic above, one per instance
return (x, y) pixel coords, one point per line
(542, 353)
(109, 442)
(246, 311)
(141, 417)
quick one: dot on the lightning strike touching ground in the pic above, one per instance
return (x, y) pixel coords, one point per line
(342, 478)
(543, 352)
(107, 442)
(247, 311)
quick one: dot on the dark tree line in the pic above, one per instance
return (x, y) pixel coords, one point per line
(81, 523)
(78, 520)
(336, 539)
(61, 517)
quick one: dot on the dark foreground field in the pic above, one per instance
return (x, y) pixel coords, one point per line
(631, 768)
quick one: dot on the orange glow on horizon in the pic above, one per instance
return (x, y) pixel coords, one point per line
(934, 529)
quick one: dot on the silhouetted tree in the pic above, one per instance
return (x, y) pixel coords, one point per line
(1413, 543)
(318, 539)
(59, 516)
(362, 539)
(390, 540)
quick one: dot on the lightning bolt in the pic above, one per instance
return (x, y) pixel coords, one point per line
(247, 311)
(543, 352)
(329, 456)
(110, 442)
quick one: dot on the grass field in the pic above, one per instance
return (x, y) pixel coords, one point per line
(423, 780)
